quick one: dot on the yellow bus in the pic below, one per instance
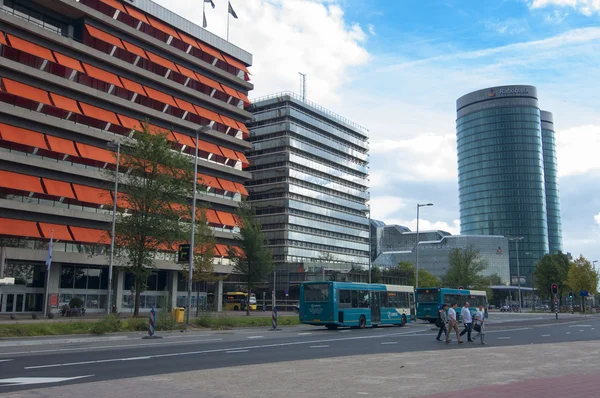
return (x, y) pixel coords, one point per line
(236, 301)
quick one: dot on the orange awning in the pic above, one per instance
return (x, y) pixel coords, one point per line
(209, 82)
(187, 39)
(209, 147)
(184, 139)
(136, 14)
(211, 217)
(122, 201)
(92, 195)
(30, 48)
(161, 61)
(186, 106)
(209, 50)
(132, 48)
(227, 185)
(241, 189)
(87, 235)
(163, 27)
(65, 103)
(61, 145)
(235, 63)
(229, 122)
(160, 96)
(20, 182)
(133, 86)
(56, 231)
(242, 127)
(242, 157)
(230, 91)
(22, 136)
(2, 39)
(222, 249)
(228, 153)
(19, 228)
(243, 97)
(99, 113)
(209, 181)
(210, 115)
(186, 72)
(102, 35)
(26, 91)
(95, 153)
(68, 62)
(114, 4)
(58, 188)
(226, 218)
(130, 123)
(102, 75)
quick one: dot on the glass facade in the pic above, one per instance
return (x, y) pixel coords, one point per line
(309, 183)
(503, 159)
(551, 183)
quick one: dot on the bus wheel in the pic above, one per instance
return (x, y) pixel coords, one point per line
(331, 327)
(236, 308)
(362, 322)
(403, 320)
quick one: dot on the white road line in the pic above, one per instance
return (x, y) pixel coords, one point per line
(344, 331)
(135, 359)
(545, 335)
(319, 346)
(507, 330)
(178, 354)
(304, 334)
(255, 337)
(503, 338)
(581, 330)
(236, 351)
(5, 360)
(580, 326)
(568, 333)
(389, 342)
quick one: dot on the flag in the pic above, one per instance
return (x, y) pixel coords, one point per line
(49, 257)
(233, 14)
(212, 3)
(204, 23)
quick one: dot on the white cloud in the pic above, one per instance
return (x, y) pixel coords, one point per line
(577, 149)
(556, 16)
(597, 218)
(426, 225)
(287, 37)
(510, 26)
(384, 206)
(371, 28)
(586, 7)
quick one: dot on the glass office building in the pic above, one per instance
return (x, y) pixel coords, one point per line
(502, 185)
(551, 183)
(309, 183)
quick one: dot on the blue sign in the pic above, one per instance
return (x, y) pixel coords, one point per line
(584, 293)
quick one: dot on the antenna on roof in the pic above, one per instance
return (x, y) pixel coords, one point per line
(303, 85)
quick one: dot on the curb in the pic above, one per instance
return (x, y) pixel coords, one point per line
(15, 342)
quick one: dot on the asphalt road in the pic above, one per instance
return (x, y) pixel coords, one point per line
(81, 360)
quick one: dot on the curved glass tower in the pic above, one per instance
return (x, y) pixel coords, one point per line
(551, 183)
(501, 171)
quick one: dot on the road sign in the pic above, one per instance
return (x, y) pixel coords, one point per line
(7, 281)
(183, 254)
(584, 293)
(287, 293)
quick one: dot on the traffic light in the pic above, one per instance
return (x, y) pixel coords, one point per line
(554, 288)
(460, 288)
(571, 295)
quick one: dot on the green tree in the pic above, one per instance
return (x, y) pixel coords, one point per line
(157, 185)
(252, 261)
(426, 278)
(582, 276)
(552, 268)
(465, 268)
(376, 274)
(495, 280)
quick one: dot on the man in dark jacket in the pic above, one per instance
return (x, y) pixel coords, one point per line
(442, 322)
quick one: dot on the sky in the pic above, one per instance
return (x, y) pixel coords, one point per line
(397, 67)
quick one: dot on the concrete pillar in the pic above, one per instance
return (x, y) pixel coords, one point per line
(2, 249)
(173, 288)
(219, 296)
(118, 288)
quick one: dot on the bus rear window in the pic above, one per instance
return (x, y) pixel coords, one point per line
(430, 297)
(316, 292)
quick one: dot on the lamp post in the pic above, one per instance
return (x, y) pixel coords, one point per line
(116, 144)
(370, 242)
(202, 129)
(516, 240)
(417, 246)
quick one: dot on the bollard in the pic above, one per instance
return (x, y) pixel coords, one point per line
(274, 318)
(151, 322)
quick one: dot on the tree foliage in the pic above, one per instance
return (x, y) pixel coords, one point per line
(426, 278)
(252, 261)
(582, 276)
(495, 280)
(157, 185)
(465, 268)
(552, 268)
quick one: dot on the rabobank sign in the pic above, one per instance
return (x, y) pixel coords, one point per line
(513, 91)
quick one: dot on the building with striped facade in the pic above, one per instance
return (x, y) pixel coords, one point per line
(74, 77)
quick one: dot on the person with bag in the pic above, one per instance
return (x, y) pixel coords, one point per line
(479, 321)
(453, 324)
(441, 322)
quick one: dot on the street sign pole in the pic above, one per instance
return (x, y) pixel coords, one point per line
(556, 305)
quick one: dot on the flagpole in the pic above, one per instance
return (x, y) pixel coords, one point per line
(203, 14)
(49, 262)
(228, 15)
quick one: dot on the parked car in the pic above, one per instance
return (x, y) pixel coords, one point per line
(505, 308)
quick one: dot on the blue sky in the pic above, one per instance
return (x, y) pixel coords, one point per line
(397, 68)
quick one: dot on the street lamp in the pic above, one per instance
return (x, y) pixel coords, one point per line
(516, 240)
(203, 129)
(417, 248)
(370, 242)
(117, 145)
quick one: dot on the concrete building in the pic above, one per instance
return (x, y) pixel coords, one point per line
(75, 75)
(507, 172)
(398, 244)
(309, 184)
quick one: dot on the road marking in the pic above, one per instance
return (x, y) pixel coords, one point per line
(507, 330)
(568, 333)
(545, 335)
(177, 354)
(580, 326)
(135, 359)
(389, 342)
(344, 331)
(581, 330)
(319, 346)
(5, 360)
(235, 351)
(255, 337)
(503, 338)
(22, 381)
(304, 334)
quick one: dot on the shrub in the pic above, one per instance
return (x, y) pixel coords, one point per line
(164, 321)
(76, 302)
(109, 324)
(137, 324)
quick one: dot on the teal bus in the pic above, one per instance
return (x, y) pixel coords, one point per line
(429, 301)
(348, 304)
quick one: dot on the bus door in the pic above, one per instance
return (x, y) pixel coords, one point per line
(375, 308)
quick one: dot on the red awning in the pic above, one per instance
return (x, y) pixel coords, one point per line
(133, 86)
(160, 96)
(87, 235)
(102, 75)
(65, 103)
(114, 4)
(184, 139)
(226, 218)
(136, 14)
(22, 136)
(30, 48)
(56, 231)
(12, 227)
(26, 91)
(95, 153)
(209, 181)
(20, 182)
(92, 195)
(132, 48)
(61, 145)
(161, 61)
(68, 62)
(58, 188)
(162, 27)
(209, 147)
(241, 189)
(106, 37)
(228, 153)
(99, 113)
(227, 185)
(130, 123)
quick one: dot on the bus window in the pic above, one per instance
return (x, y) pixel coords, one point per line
(363, 299)
(384, 299)
(402, 300)
(316, 293)
(355, 298)
(431, 297)
(344, 298)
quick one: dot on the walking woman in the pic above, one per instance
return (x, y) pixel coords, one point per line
(442, 321)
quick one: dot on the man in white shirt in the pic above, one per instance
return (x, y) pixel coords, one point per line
(467, 319)
(453, 324)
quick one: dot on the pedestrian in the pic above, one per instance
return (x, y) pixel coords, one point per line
(467, 319)
(442, 321)
(479, 321)
(453, 324)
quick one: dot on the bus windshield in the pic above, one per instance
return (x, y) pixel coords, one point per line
(316, 293)
(431, 297)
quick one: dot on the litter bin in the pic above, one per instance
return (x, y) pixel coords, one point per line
(178, 314)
